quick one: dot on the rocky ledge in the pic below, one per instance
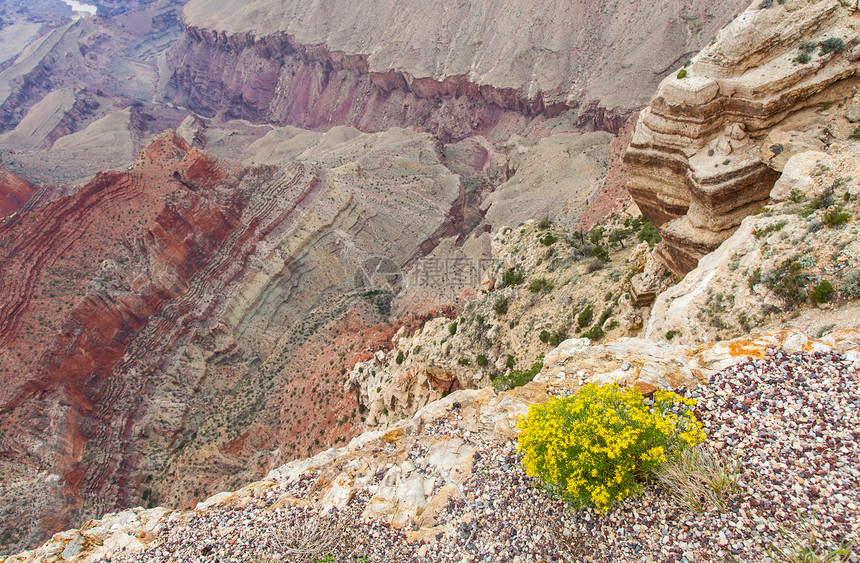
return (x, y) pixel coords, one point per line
(447, 485)
(708, 149)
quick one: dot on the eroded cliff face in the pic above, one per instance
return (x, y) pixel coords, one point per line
(703, 155)
(452, 70)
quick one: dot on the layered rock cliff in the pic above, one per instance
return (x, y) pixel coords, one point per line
(452, 70)
(702, 155)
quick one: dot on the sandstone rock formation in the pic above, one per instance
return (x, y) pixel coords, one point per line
(695, 160)
(766, 274)
(452, 70)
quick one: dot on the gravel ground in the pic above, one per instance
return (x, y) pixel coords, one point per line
(793, 421)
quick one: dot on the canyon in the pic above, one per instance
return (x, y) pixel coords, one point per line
(234, 235)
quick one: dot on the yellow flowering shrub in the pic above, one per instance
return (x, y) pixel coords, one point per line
(598, 445)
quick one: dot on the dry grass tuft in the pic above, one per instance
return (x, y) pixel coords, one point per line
(699, 478)
(312, 538)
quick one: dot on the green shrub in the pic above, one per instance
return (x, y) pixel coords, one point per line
(518, 378)
(855, 134)
(557, 337)
(796, 196)
(510, 361)
(597, 446)
(417, 349)
(649, 233)
(482, 360)
(400, 357)
(802, 58)
(553, 338)
(601, 253)
(670, 334)
(513, 276)
(544, 225)
(594, 333)
(682, 73)
(822, 292)
(807, 46)
(585, 316)
(540, 284)
(501, 306)
(835, 216)
(463, 361)
(548, 240)
(452, 328)
(760, 232)
(789, 281)
(833, 44)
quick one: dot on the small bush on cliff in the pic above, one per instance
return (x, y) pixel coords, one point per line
(594, 333)
(597, 446)
(682, 73)
(540, 284)
(452, 328)
(822, 292)
(400, 357)
(601, 253)
(788, 281)
(518, 377)
(832, 45)
(649, 234)
(548, 240)
(802, 58)
(835, 216)
(482, 360)
(512, 277)
(501, 306)
(585, 317)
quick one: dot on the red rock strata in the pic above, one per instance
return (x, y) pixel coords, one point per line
(14, 192)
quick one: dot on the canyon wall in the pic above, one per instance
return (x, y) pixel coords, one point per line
(703, 155)
(449, 70)
(161, 328)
